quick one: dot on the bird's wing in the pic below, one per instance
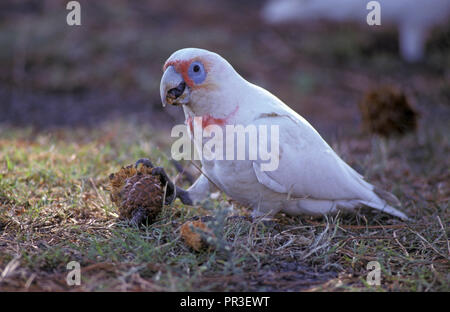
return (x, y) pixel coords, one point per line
(308, 167)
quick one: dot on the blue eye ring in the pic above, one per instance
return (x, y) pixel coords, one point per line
(197, 72)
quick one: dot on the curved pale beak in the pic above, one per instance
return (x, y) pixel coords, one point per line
(173, 88)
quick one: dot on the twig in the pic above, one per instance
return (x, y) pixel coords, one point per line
(181, 170)
(201, 171)
(445, 233)
(431, 245)
(361, 227)
(96, 191)
(401, 246)
(10, 267)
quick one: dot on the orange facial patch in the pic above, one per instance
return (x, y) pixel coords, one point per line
(181, 67)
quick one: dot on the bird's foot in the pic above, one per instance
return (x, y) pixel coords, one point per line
(184, 196)
(172, 191)
(145, 162)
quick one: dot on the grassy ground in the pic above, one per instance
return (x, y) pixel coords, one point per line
(55, 208)
(54, 202)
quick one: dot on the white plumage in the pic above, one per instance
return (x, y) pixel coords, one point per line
(310, 179)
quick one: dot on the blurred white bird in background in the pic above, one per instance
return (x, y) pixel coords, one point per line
(413, 18)
(310, 177)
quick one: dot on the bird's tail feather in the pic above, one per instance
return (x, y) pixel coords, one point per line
(384, 207)
(388, 197)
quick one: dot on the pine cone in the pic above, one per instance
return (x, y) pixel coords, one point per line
(138, 194)
(191, 235)
(386, 111)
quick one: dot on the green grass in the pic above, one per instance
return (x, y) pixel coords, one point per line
(55, 205)
(55, 208)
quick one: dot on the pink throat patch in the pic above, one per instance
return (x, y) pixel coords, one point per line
(208, 120)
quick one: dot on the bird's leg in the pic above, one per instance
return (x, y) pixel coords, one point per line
(200, 189)
(184, 196)
(172, 191)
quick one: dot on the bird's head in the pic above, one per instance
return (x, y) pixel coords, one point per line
(192, 76)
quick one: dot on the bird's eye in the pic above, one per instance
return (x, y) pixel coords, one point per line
(197, 72)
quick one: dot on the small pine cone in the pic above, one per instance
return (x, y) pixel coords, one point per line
(142, 191)
(190, 233)
(387, 111)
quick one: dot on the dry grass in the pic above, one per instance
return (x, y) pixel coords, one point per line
(55, 208)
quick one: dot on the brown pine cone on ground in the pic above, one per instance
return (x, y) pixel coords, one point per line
(386, 111)
(190, 232)
(137, 193)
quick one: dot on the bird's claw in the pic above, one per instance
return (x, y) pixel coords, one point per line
(145, 162)
(172, 191)
(184, 196)
(166, 182)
